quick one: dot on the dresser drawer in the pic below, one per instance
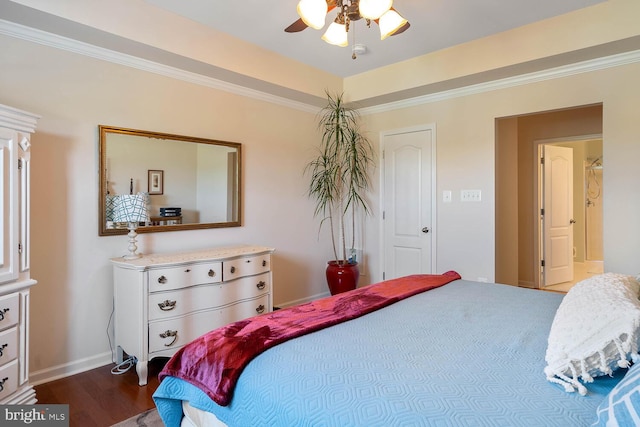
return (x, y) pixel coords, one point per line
(162, 279)
(247, 266)
(8, 345)
(9, 310)
(178, 302)
(8, 379)
(174, 333)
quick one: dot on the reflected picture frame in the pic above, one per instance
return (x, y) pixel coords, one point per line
(155, 179)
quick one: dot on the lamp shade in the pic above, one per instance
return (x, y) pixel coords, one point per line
(389, 23)
(109, 205)
(336, 34)
(313, 12)
(374, 9)
(130, 208)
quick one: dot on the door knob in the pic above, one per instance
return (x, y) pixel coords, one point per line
(425, 229)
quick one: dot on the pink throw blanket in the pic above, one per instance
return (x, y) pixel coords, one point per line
(214, 361)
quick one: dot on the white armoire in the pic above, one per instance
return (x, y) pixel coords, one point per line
(16, 127)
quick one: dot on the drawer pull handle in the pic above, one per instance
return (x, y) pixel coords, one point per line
(233, 269)
(2, 312)
(212, 273)
(2, 383)
(264, 262)
(167, 305)
(260, 309)
(167, 334)
(188, 270)
(261, 285)
(2, 349)
(162, 280)
(248, 261)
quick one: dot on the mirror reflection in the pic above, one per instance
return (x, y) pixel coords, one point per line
(188, 182)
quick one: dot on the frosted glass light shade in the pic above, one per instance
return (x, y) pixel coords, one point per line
(374, 9)
(313, 12)
(389, 23)
(336, 34)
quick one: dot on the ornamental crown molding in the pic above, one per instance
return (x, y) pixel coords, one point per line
(59, 42)
(20, 120)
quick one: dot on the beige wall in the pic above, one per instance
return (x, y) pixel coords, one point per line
(579, 35)
(154, 27)
(507, 200)
(72, 302)
(605, 28)
(466, 156)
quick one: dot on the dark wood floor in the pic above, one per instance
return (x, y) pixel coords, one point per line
(97, 398)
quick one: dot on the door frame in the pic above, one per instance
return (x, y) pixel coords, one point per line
(434, 197)
(538, 244)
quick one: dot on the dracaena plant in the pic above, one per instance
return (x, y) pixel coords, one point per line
(340, 173)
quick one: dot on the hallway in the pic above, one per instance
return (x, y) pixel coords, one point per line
(581, 271)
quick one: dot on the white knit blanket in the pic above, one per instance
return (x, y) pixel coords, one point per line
(595, 330)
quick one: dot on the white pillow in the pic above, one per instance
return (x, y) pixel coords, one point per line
(595, 330)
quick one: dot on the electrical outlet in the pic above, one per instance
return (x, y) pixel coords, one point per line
(470, 195)
(446, 196)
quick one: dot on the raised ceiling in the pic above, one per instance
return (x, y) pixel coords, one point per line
(241, 46)
(435, 25)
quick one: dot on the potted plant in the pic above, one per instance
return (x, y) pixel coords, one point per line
(339, 180)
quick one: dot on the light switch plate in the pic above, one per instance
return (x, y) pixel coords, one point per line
(470, 195)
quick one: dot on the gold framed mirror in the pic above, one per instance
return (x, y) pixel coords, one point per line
(189, 182)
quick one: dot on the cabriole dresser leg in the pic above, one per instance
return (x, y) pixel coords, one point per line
(141, 369)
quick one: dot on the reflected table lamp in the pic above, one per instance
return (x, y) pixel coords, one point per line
(132, 209)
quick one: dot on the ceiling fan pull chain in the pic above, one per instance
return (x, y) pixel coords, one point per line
(353, 48)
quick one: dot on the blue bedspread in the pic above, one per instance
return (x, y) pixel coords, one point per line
(465, 354)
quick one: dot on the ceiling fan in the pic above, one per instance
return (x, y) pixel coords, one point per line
(313, 14)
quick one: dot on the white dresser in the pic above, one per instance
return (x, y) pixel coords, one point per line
(16, 127)
(163, 301)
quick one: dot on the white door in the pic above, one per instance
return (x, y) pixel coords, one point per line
(408, 219)
(558, 214)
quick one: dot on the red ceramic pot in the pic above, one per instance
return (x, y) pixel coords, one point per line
(342, 277)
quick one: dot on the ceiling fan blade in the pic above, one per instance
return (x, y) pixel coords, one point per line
(299, 25)
(402, 29)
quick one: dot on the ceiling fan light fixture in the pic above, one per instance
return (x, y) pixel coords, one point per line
(374, 9)
(313, 12)
(389, 23)
(336, 34)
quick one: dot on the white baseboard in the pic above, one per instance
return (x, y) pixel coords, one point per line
(526, 284)
(303, 300)
(97, 361)
(71, 368)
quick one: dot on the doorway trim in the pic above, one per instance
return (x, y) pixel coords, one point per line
(537, 194)
(433, 205)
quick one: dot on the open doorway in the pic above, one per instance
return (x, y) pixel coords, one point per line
(569, 196)
(518, 254)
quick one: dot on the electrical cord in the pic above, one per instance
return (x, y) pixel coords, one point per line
(113, 309)
(128, 363)
(123, 367)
